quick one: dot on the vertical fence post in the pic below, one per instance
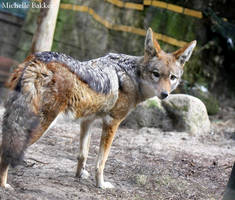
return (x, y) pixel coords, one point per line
(43, 37)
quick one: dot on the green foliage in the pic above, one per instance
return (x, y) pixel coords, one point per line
(211, 103)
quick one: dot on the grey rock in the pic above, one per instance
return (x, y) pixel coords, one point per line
(149, 114)
(188, 113)
(179, 112)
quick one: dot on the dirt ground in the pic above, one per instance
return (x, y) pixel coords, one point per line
(143, 164)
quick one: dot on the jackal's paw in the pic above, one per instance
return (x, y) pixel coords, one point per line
(8, 187)
(106, 185)
(84, 174)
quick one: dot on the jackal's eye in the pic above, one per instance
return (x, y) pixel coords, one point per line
(173, 77)
(156, 74)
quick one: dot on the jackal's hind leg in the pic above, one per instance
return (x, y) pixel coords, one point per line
(12, 147)
(3, 174)
(44, 125)
(85, 137)
(108, 133)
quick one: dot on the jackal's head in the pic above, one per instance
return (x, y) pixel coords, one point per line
(160, 72)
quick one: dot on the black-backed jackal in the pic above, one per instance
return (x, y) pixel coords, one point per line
(48, 83)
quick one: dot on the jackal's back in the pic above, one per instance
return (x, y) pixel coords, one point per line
(95, 73)
(49, 79)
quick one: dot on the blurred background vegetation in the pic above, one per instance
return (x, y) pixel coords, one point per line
(87, 29)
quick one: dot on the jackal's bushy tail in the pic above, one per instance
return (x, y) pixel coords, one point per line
(20, 118)
(18, 123)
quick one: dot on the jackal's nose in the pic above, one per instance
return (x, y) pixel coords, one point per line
(164, 94)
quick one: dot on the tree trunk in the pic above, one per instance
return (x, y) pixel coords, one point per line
(43, 37)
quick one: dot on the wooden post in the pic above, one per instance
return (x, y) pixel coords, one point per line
(43, 37)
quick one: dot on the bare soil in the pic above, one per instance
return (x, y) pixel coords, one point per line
(143, 164)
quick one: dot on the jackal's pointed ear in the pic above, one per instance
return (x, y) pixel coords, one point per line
(183, 54)
(151, 46)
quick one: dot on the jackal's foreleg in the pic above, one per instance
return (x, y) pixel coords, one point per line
(85, 137)
(109, 129)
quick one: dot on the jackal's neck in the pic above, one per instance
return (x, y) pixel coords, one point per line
(128, 71)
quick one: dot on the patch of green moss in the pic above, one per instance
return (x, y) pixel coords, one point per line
(152, 103)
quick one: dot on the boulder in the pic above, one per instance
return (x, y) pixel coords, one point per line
(178, 112)
(188, 113)
(150, 113)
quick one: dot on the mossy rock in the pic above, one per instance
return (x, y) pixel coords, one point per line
(188, 113)
(149, 114)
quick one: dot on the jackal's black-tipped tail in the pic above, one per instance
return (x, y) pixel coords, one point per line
(18, 124)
